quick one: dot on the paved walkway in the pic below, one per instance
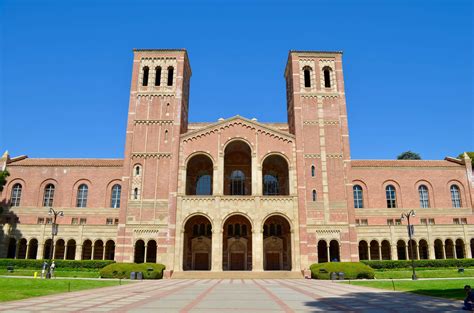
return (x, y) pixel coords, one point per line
(234, 295)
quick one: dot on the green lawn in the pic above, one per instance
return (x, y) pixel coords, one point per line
(58, 273)
(451, 289)
(22, 288)
(424, 273)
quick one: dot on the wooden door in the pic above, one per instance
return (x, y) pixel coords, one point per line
(273, 261)
(201, 261)
(237, 261)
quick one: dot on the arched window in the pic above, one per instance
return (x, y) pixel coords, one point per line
(270, 184)
(314, 195)
(48, 195)
(16, 195)
(237, 183)
(391, 196)
(158, 76)
(137, 170)
(170, 76)
(135, 194)
(455, 196)
(82, 191)
(313, 171)
(307, 77)
(424, 197)
(327, 77)
(167, 109)
(146, 72)
(166, 135)
(358, 197)
(199, 171)
(203, 184)
(115, 196)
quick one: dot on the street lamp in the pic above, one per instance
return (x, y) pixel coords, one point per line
(411, 232)
(54, 231)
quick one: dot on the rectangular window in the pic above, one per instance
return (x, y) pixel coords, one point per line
(40, 220)
(464, 221)
(398, 221)
(364, 222)
(74, 221)
(83, 221)
(423, 221)
(431, 221)
(390, 221)
(116, 221)
(456, 221)
(109, 221)
(357, 222)
(49, 220)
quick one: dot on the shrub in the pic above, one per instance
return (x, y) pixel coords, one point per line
(123, 270)
(388, 264)
(352, 270)
(60, 264)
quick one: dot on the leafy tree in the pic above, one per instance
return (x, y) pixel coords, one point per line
(409, 155)
(3, 178)
(470, 154)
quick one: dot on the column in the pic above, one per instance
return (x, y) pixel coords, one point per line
(217, 245)
(455, 252)
(431, 252)
(416, 250)
(328, 252)
(92, 252)
(380, 252)
(27, 250)
(257, 250)
(40, 253)
(78, 255)
(394, 254)
(467, 248)
(444, 251)
(145, 253)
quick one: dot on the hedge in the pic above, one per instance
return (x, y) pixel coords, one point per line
(388, 264)
(352, 270)
(123, 270)
(60, 264)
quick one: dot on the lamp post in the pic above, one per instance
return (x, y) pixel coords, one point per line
(410, 234)
(54, 232)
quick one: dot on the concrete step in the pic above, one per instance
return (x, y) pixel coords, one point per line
(237, 275)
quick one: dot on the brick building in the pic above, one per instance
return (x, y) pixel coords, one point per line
(237, 194)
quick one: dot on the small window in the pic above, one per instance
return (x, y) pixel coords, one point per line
(423, 221)
(431, 221)
(146, 73)
(313, 171)
(109, 221)
(327, 77)
(364, 222)
(237, 229)
(82, 192)
(358, 197)
(167, 109)
(230, 230)
(456, 221)
(157, 75)
(16, 195)
(170, 76)
(48, 196)
(390, 221)
(116, 221)
(398, 222)
(115, 196)
(74, 221)
(135, 194)
(40, 220)
(314, 195)
(464, 220)
(357, 221)
(455, 196)
(307, 77)
(49, 220)
(83, 221)
(391, 196)
(137, 170)
(166, 135)
(424, 198)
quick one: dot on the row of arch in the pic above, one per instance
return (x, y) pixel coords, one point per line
(326, 71)
(146, 74)
(392, 198)
(82, 195)
(62, 250)
(406, 250)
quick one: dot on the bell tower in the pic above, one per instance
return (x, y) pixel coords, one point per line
(157, 115)
(317, 117)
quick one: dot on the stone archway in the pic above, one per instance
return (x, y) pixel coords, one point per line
(197, 247)
(276, 244)
(237, 244)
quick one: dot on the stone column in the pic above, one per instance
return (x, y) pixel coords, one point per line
(78, 254)
(444, 251)
(40, 253)
(257, 250)
(394, 254)
(27, 250)
(406, 252)
(255, 168)
(328, 252)
(431, 252)
(217, 238)
(467, 248)
(92, 252)
(380, 252)
(145, 253)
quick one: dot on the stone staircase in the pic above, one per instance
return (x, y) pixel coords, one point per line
(237, 275)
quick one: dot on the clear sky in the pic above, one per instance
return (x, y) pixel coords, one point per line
(66, 65)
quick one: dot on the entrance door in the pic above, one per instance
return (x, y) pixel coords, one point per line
(237, 261)
(201, 261)
(273, 261)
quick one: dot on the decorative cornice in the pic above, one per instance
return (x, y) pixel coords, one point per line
(149, 155)
(313, 122)
(318, 156)
(155, 94)
(319, 94)
(151, 122)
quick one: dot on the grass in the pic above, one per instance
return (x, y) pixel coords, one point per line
(22, 288)
(58, 273)
(450, 289)
(424, 273)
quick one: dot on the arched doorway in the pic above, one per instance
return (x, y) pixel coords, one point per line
(275, 176)
(98, 250)
(449, 249)
(363, 250)
(237, 244)
(423, 249)
(334, 251)
(323, 251)
(22, 246)
(199, 176)
(110, 250)
(151, 251)
(460, 249)
(401, 250)
(87, 250)
(59, 249)
(33, 249)
(47, 249)
(139, 255)
(11, 252)
(439, 251)
(71, 249)
(386, 252)
(237, 169)
(197, 253)
(276, 244)
(374, 250)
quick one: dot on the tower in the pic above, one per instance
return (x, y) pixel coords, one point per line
(157, 115)
(317, 117)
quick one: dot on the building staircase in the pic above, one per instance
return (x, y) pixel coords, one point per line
(237, 275)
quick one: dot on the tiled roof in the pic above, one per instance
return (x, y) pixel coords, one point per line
(403, 163)
(68, 162)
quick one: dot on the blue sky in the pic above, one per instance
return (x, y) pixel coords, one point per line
(65, 68)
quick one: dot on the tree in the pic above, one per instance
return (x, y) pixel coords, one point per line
(470, 154)
(409, 155)
(3, 178)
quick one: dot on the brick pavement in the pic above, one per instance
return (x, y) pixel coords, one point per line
(233, 295)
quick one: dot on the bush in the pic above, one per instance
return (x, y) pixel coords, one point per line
(379, 265)
(87, 265)
(123, 270)
(352, 270)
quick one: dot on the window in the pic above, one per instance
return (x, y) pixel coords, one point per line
(455, 196)
(456, 221)
(314, 195)
(16, 195)
(424, 198)
(49, 220)
(464, 220)
(431, 221)
(313, 171)
(237, 183)
(48, 196)
(327, 77)
(81, 201)
(116, 221)
(40, 220)
(307, 77)
(364, 222)
(109, 221)
(398, 221)
(390, 221)
(146, 72)
(271, 186)
(74, 221)
(157, 75)
(391, 196)
(358, 197)
(230, 230)
(357, 222)
(115, 197)
(83, 221)
(203, 184)
(423, 221)
(137, 170)
(170, 76)
(135, 194)
(166, 135)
